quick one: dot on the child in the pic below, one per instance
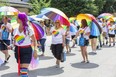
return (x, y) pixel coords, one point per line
(68, 37)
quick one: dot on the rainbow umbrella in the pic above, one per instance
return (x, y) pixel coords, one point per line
(55, 14)
(7, 10)
(112, 19)
(38, 30)
(105, 16)
(72, 19)
(34, 17)
(41, 16)
(92, 23)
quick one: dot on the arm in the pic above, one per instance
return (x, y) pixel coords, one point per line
(77, 34)
(35, 46)
(63, 37)
(34, 42)
(88, 33)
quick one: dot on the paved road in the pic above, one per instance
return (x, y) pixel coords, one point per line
(101, 65)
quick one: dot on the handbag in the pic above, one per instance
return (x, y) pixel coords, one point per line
(63, 56)
(5, 34)
(82, 40)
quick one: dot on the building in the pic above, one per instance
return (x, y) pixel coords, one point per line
(21, 5)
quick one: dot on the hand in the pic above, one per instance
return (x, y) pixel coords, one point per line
(9, 47)
(35, 54)
(63, 44)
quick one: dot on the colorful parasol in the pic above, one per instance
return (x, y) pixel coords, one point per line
(55, 14)
(92, 23)
(38, 30)
(41, 16)
(7, 10)
(105, 16)
(73, 28)
(112, 19)
(72, 19)
(34, 18)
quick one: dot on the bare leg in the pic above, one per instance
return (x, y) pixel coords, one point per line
(109, 41)
(85, 51)
(6, 54)
(67, 48)
(94, 44)
(82, 52)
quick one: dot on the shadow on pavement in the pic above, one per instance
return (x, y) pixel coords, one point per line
(45, 57)
(50, 71)
(85, 65)
(10, 75)
(91, 53)
(3, 67)
(70, 54)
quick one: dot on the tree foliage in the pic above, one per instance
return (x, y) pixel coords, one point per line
(37, 5)
(74, 7)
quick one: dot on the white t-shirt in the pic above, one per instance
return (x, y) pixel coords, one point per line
(86, 30)
(104, 27)
(111, 29)
(22, 39)
(8, 26)
(44, 28)
(57, 35)
(68, 36)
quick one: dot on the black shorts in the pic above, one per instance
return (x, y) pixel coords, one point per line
(67, 41)
(111, 35)
(3, 46)
(91, 36)
(25, 54)
(72, 36)
(86, 43)
(57, 50)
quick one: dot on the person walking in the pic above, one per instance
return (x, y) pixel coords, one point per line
(111, 32)
(5, 34)
(58, 41)
(85, 32)
(67, 39)
(23, 38)
(43, 39)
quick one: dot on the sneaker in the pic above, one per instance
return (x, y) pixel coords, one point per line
(82, 61)
(87, 61)
(57, 66)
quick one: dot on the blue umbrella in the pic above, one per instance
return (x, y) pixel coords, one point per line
(73, 28)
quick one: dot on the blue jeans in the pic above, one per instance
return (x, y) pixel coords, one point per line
(42, 42)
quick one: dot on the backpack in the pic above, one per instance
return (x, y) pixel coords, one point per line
(5, 34)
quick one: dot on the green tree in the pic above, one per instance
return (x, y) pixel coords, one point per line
(100, 4)
(4, 3)
(37, 5)
(109, 6)
(74, 7)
